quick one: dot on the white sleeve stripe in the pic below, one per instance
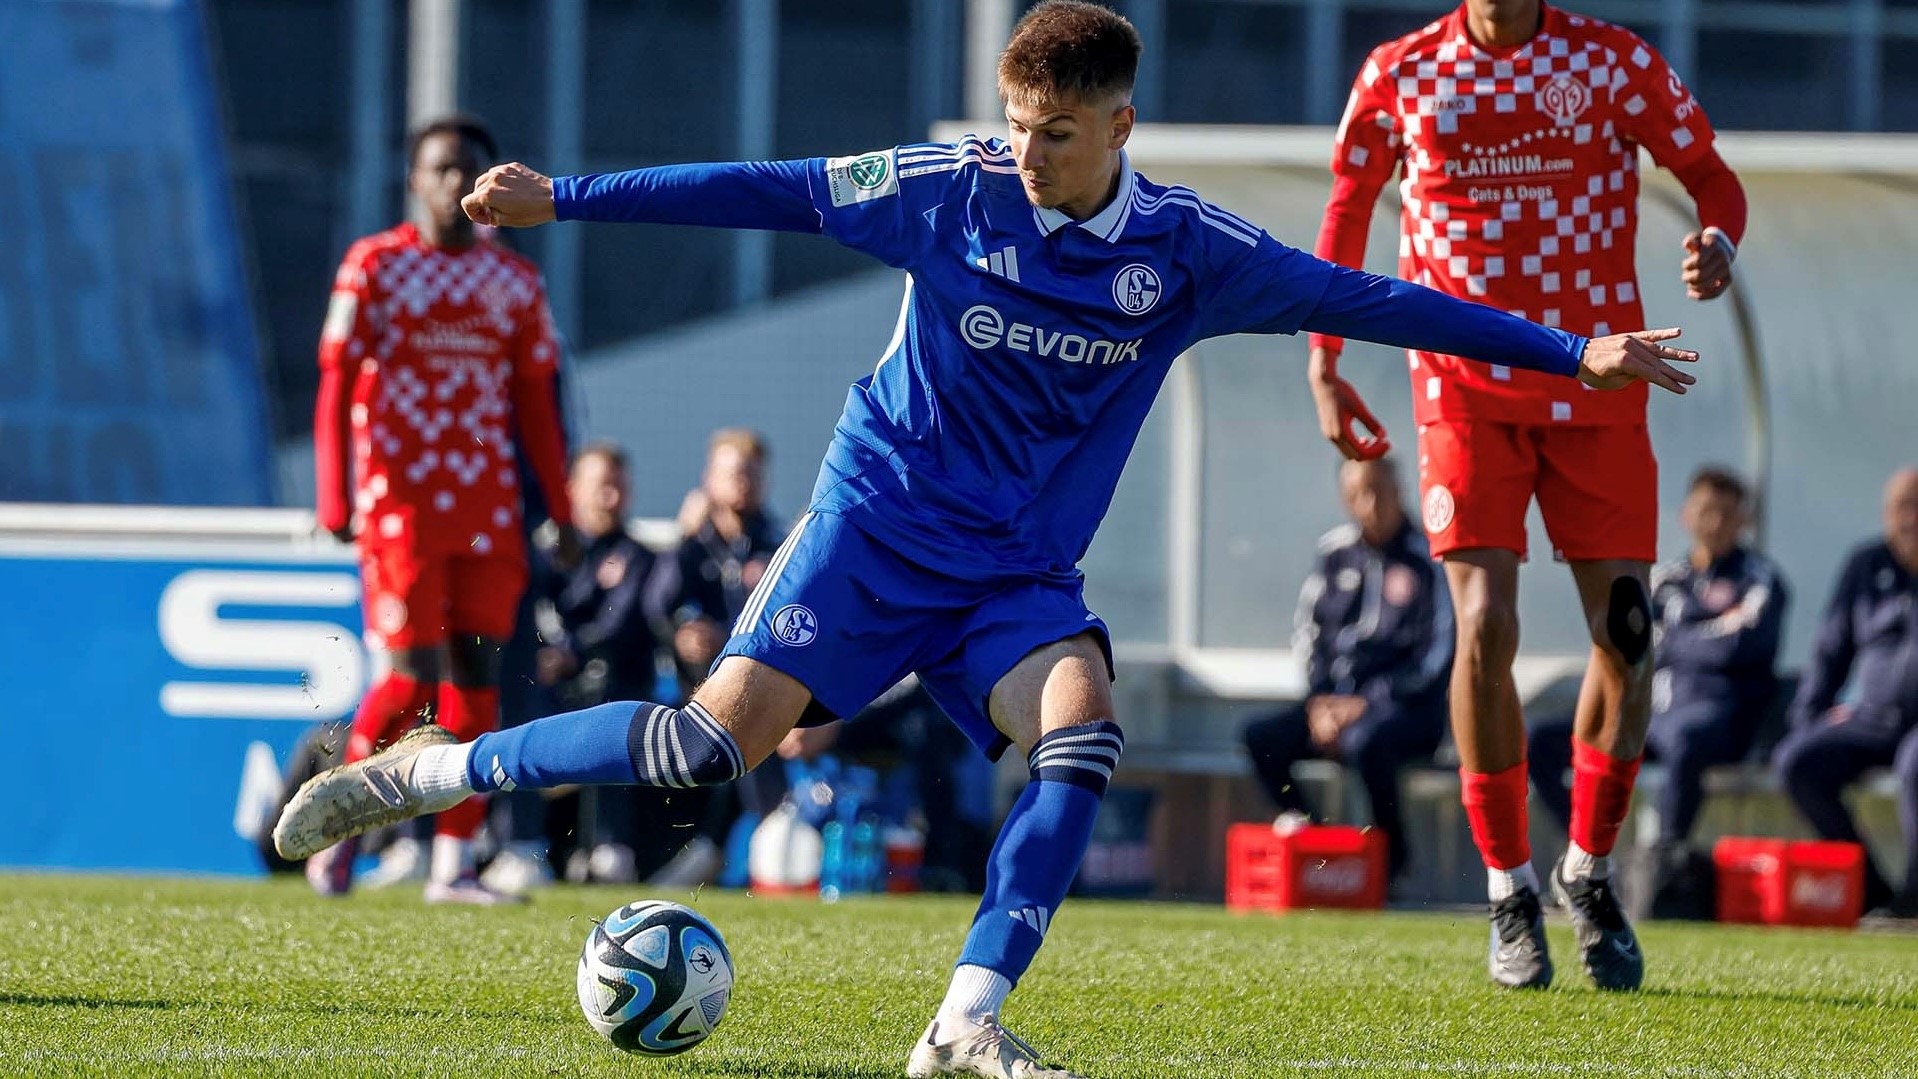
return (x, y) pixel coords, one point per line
(1210, 210)
(955, 166)
(1152, 207)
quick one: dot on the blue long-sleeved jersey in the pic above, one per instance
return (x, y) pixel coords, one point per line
(1375, 621)
(1869, 637)
(1718, 631)
(1029, 347)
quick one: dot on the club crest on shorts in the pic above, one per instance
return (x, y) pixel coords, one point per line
(795, 625)
(1438, 509)
(1136, 289)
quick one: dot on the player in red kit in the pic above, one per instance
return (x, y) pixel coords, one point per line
(1516, 127)
(438, 351)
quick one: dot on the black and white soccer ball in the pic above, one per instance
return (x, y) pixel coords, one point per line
(654, 978)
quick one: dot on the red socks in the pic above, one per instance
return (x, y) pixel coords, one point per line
(468, 712)
(392, 705)
(1495, 808)
(1601, 795)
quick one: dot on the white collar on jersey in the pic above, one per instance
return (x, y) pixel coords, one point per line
(1105, 224)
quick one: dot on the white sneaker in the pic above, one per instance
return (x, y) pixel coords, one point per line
(612, 863)
(330, 871)
(402, 862)
(696, 864)
(975, 1046)
(356, 798)
(468, 891)
(518, 869)
(1289, 822)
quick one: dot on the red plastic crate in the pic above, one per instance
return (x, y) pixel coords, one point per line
(1782, 882)
(1315, 866)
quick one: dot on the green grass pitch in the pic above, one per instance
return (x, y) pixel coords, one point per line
(136, 977)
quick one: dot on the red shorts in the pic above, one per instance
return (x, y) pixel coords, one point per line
(1597, 488)
(411, 600)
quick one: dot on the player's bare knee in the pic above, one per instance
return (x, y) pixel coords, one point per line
(474, 662)
(1625, 628)
(1487, 630)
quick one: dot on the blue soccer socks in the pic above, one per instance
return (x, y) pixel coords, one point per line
(1041, 845)
(625, 742)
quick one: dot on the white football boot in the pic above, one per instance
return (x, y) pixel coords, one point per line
(977, 1045)
(402, 862)
(356, 798)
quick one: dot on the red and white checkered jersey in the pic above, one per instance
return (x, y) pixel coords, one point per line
(434, 342)
(1520, 190)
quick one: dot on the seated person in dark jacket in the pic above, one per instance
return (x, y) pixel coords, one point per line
(596, 644)
(1720, 613)
(1869, 637)
(700, 590)
(1374, 625)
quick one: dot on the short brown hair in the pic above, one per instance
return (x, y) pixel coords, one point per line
(468, 127)
(1721, 481)
(744, 439)
(1066, 50)
(610, 452)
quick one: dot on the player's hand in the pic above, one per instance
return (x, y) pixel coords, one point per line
(1707, 271)
(553, 664)
(1327, 716)
(1617, 361)
(697, 642)
(511, 196)
(1341, 411)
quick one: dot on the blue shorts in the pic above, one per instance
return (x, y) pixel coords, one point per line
(848, 618)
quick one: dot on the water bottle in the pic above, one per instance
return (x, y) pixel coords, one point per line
(832, 864)
(863, 875)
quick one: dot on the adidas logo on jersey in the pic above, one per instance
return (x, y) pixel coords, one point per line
(1033, 918)
(1000, 263)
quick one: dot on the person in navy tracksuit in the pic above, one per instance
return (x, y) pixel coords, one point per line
(1375, 626)
(1720, 615)
(1869, 638)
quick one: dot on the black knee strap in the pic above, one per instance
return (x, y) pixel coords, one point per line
(1628, 619)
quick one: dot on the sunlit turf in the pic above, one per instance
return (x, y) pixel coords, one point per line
(140, 976)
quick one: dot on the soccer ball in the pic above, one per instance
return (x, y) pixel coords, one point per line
(654, 978)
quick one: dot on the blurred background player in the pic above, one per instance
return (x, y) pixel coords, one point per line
(1376, 627)
(1720, 615)
(596, 644)
(1869, 638)
(1518, 127)
(438, 350)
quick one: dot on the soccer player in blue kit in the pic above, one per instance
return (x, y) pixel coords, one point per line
(1049, 289)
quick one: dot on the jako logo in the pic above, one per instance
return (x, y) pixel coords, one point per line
(984, 327)
(326, 656)
(1136, 289)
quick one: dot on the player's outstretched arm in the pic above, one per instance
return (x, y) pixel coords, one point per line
(1389, 311)
(771, 195)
